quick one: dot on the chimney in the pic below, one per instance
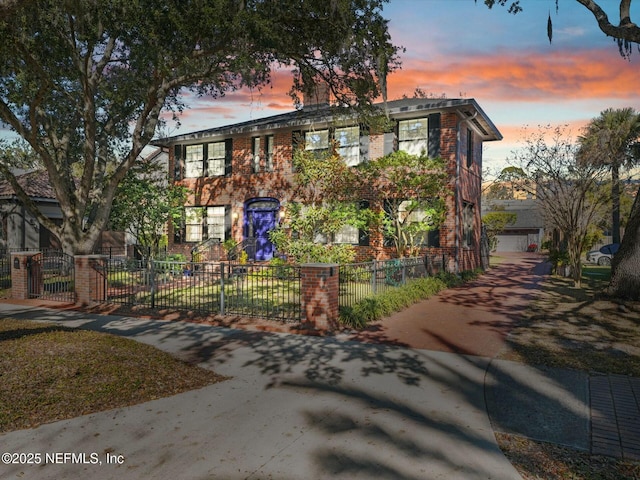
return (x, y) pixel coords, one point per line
(316, 95)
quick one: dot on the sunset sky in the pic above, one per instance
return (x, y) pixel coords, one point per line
(504, 61)
(459, 48)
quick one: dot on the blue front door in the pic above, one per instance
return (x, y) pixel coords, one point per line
(261, 216)
(261, 223)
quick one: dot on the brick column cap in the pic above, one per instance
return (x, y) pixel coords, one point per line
(316, 265)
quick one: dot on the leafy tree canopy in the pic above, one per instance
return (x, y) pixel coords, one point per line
(84, 81)
(495, 222)
(414, 188)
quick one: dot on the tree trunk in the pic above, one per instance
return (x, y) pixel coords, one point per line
(615, 203)
(625, 268)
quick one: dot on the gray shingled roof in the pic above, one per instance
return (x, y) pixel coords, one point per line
(325, 113)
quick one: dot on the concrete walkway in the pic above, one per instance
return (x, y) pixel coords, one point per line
(296, 407)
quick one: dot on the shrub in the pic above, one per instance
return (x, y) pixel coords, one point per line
(376, 307)
(373, 308)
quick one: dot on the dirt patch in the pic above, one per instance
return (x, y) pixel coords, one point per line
(574, 328)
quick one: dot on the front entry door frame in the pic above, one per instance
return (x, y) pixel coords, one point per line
(260, 217)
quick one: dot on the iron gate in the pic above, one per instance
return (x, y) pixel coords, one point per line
(52, 276)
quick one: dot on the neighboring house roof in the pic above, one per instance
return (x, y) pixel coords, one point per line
(467, 108)
(528, 214)
(35, 184)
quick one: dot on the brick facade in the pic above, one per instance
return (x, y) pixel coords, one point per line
(241, 185)
(319, 295)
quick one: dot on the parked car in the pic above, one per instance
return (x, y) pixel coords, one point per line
(604, 255)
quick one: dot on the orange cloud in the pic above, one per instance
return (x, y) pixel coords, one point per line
(507, 76)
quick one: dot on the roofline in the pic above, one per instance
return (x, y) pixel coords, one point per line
(326, 114)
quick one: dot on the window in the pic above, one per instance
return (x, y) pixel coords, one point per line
(217, 163)
(467, 225)
(193, 164)
(317, 142)
(469, 147)
(193, 224)
(202, 223)
(268, 153)
(413, 136)
(216, 159)
(348, 140)
(347, 234)
(414, 221)
(255, 154)
(216, 223)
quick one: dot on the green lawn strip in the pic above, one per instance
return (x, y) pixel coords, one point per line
(372, 307)
(576, 328)
(49, 373)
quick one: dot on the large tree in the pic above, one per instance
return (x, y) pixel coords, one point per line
(84, 82)
(612, 140)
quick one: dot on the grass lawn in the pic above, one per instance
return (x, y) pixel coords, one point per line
(49, 373)
(574, 328)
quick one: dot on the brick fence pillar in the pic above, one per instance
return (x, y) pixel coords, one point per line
(319, 294)
(90, 280)
(20, 277)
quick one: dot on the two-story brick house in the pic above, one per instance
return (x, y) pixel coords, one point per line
(240, 176)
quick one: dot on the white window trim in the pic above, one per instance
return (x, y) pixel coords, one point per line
(414, 140)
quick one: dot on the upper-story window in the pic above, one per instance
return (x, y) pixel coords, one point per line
(209, 159)
(193, 161)
(469, 147)
(215, 159)
(317, 141)
(413, 135)
(268, 153)
(255, 154)
(348, 142)
(262, 160)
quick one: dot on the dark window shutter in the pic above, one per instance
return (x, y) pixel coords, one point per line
(363, 234)
(389, 143)
(434, 135)
(297, 140)
(227, 223)
(178, 159)
(179, 229)
(364, 145)
(387, 241)
(228, 156)
(205, 160)
(433, 238)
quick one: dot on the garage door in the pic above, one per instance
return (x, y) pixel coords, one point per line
(512, 243)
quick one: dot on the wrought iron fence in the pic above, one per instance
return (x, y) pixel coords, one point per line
(5, 261)
(52, 276)
(360, 280)
(5, 268)
(256, 290)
